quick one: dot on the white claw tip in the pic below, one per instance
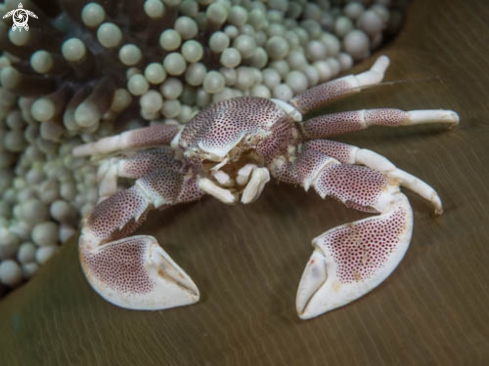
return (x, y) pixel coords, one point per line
(449, 117)
(432, 116)
(375, 74)
(438, 205)
(453, 117)
(308, 304)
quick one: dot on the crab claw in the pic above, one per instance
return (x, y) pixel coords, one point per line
(351, 260)
(136, 273)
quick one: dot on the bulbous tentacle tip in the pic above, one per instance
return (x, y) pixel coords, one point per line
(136, 273)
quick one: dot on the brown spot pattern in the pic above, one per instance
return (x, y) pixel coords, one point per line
(309, 163)
(338, 150)
(286, 173)
(142, 163)
(351, 184)
(120, 266)
(190, 191)
(115, 212)
(277, 143)
(361, 248)
(321, 94)
(153, 135)
(333, 124)
(165, 183)
(222, 125)
(385, 117)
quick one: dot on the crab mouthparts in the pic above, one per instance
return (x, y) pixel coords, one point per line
(230, 185)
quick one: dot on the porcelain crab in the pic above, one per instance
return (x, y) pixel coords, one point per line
(229, 151)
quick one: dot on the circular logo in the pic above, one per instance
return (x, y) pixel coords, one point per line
(20, 17)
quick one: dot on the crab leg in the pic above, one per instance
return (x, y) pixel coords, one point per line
(135, 272)
(142, 137)
(339, 123)
(335, 89)
(349, 154)
(133, 166)
(350, 260)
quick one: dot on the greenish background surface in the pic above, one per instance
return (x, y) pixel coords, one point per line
(247, 260)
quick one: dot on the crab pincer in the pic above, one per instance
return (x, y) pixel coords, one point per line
(134, 271)
(350, 260)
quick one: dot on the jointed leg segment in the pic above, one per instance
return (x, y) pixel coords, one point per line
(352, 259)
(142, 137)
(135, 272)
(335, 89)
(349, 154)
(344, 122)
(134, 166)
